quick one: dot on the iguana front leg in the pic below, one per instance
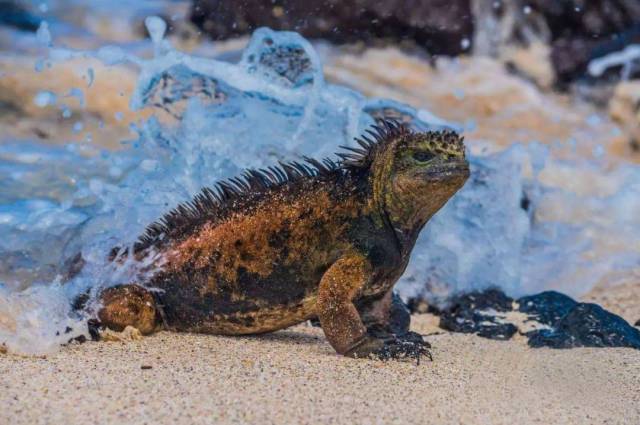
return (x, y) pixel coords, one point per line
(338, 315)
(341, 321)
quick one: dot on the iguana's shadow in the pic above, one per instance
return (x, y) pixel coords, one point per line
(290, 336)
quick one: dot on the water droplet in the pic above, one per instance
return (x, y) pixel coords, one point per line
(156, 27)
(91, 76)
(45, 98)
(43, 35)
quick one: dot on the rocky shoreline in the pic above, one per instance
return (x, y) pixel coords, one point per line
(548, 319)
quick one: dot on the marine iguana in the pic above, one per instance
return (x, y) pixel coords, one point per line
(281, 245)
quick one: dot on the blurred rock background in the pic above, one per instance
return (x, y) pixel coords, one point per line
(546, 43)
(576, 31)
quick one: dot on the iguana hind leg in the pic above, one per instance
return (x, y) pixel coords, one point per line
(388, 318)
(388, 315)
(128, 305)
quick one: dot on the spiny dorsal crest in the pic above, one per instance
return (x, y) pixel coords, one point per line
(382, 136)
(241, 193)
(227, 196)
(376, 139)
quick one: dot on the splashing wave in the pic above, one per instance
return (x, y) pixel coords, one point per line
(519, 223)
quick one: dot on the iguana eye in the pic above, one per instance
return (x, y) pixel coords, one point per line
(423, 156)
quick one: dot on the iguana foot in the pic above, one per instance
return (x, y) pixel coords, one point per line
(407, 346)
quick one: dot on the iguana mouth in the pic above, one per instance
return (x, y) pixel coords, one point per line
(458, 169)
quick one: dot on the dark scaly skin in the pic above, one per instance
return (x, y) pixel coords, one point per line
(330, 244)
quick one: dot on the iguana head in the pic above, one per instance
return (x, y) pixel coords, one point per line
(414, 174)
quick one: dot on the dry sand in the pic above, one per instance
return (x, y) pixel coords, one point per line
(294, 377)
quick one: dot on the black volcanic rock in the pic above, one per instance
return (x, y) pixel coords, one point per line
(574, 324)
(584, 30)
(562, 322)
(587, 325)
(475, 313)
(587, 19)
(579, 30)
(546, 307)
(13, 14)
(440, 26)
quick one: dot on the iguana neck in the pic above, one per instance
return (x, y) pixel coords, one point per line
(405, 233)
(406, 208)
(406, 221)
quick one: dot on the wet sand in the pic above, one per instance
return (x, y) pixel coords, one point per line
(294, 376)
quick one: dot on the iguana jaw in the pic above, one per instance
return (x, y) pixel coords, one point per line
(412, 199)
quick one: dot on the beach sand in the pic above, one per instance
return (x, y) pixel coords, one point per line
(294, 377)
